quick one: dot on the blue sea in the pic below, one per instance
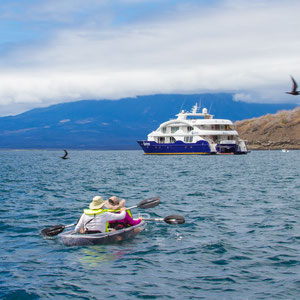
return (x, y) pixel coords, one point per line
(241, 239)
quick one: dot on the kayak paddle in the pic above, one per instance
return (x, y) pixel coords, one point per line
(172, 219)
(147, 203)
(57, 229)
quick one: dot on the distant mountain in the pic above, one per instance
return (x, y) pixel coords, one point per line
(272, 131)
(106, 124)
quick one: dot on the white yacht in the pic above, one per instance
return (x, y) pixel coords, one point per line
(194, 132)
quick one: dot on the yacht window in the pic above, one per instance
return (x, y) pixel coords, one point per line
(172, 140)
(164, 129)
(188, 139)
(217, 127)
(190, 128)
(161, 139)
(174, 129)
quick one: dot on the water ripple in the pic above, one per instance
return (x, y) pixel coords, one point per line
(240, 239)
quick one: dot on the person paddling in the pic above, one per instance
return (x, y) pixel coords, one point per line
(114, 204)
(95, 219)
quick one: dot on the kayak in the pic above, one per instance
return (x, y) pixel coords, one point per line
(78, 239)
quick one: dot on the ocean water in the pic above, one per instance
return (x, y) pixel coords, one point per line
(241, 239)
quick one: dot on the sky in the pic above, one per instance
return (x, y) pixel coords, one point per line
(54, 51)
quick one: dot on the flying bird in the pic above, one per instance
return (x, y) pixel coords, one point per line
(65, 156)
(294, 89)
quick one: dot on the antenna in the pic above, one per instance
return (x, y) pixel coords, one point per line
(210, 107)
(182, 104)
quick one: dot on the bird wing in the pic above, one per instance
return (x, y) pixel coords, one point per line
(66, 153)
(294, 84)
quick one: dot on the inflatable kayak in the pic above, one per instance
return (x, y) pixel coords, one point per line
(78, 239)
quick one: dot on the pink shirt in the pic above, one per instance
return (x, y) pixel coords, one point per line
(128, 220)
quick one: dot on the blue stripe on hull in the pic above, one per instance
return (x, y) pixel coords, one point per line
(201, 147)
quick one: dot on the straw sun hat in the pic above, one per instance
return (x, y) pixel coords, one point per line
(97, 203)
(114, 203)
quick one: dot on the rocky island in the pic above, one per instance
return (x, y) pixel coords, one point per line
(272, 131)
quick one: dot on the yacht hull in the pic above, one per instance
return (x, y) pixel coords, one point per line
(150, 147)
(201, 147)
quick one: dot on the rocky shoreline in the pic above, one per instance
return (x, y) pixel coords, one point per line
(272, 131)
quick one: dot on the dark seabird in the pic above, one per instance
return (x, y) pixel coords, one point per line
(294, 90)
(65, 156)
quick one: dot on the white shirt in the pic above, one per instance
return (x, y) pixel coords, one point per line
(99, 221)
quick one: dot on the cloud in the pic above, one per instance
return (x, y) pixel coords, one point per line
(243, 97)
(246, 48)
(64, 121)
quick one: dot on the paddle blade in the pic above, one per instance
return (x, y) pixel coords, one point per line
(174, 219)
(53, 231)
(149, 203)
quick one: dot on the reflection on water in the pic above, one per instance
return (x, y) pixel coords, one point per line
(93, 256)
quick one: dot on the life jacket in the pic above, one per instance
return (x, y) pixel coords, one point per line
(94, 212)
(113, 223)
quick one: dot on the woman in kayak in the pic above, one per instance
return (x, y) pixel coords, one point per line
(114, 204)
(95, 219)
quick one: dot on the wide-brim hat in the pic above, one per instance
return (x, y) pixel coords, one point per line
(97, 203)
(114, 203)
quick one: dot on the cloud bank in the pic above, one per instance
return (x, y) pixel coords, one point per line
(242, 47)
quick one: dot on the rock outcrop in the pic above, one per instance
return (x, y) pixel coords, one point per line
(272, 131)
